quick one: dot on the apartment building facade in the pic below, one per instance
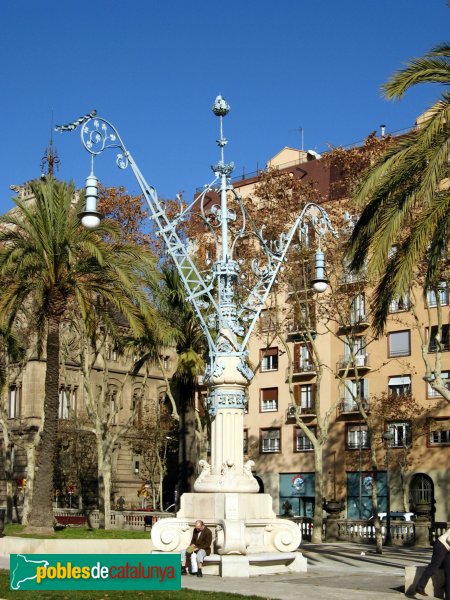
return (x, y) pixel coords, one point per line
(385, 375)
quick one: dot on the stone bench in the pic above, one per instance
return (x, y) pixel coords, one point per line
(435, 586)
(264, 563)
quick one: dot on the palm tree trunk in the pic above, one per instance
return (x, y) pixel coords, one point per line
(29, 490)
(41, 510)
(188, 442)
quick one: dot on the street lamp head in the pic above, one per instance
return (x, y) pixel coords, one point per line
(320, 285)
(320, 282)
(91, 218)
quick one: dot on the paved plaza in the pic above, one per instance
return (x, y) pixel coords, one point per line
(335, 572)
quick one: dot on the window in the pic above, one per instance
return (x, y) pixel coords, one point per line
(445, 375)
(355, 350)
(399, 343)
(304, 396)
(302, 359)
(401, 430)
(359, 494)
(441, 295)
(358, 309)
(15, 402)
(137, 406)
(400, 386)
(357, 436)
(112, 404)
(245, 444)
(444, 344)
(112, 354)
(440, 432)
(270, 440)
(165, 360)
(267, 321)
(269, 359)
(400, 304)
(304, 317)
(350, 276)
(67, 402)
(301, 441)
(269, 399)
(354, 390)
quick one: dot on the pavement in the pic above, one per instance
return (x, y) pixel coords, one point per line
(335, 572)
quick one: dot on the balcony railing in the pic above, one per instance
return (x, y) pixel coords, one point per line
(351, 406)
(302, 411)
(304, 367)
(360, 320)
(349, 278)
(360, 361)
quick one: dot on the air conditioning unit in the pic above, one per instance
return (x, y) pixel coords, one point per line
(291, 410)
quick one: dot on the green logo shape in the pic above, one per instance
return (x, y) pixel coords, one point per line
(95, 572)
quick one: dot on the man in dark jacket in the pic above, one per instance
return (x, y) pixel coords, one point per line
(200, 547)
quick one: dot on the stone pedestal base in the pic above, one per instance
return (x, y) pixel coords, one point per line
(331, 529)
(422, 532)
(245, 528)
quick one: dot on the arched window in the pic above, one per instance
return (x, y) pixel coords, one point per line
(421, 489)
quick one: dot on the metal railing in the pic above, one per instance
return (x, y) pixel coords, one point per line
(294, 409)
(301, 368)
(351, 406)
(359, 361)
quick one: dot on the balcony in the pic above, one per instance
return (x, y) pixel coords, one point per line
(350, 278)
(349, 406)
(298, 332)
(355, 322)
(305, 368)
(302, 411)
(360, 362)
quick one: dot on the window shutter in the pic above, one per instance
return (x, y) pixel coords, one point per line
(297, 394)
(297, 354)
(366, 388)
(269, 394)
(270, 352)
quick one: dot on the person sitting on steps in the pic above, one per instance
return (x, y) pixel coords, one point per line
(199, 548)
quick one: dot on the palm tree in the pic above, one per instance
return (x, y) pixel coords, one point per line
(49, 265)
(405, 195)
(191, 348)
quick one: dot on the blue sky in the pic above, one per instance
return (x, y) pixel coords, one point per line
(153, 68)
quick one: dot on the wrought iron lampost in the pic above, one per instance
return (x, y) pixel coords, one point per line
(226, 321)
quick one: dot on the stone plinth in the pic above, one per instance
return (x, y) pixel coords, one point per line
(244, 525)
(422, 532)
(332, 529)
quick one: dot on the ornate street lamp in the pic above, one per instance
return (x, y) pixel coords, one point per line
(226, 489)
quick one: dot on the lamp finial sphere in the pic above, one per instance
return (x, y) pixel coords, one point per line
(220, 107)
